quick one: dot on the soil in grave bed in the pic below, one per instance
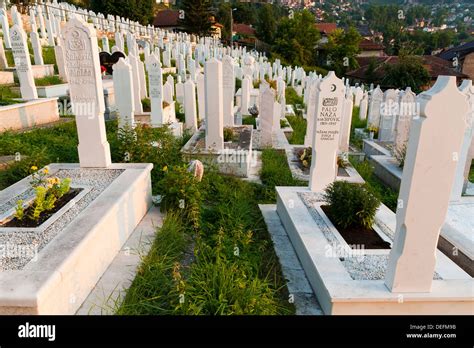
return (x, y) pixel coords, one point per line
(358, 236)
(28, 223)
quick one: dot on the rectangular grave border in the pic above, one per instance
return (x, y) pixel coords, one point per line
(69, 266)
(338, 293)
(52, 219)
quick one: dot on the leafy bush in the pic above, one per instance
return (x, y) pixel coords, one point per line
(387, 195)
(180, 191)
(144, 144)
(351, 204)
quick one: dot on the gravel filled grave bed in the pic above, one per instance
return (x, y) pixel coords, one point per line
(359, 266)
(19, 246)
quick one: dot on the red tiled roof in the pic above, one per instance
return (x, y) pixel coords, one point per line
(166, 18)
(243, 29)
(368, 45)
(326, 28)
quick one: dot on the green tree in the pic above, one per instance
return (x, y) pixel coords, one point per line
(408, 71)
(136, 10)
(342, 49)
(197, 16)
(370, 75)
(244, 13)
(223, 17)
(266, 23)
(296, 39)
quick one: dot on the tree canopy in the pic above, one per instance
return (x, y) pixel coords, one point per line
(342, 49)
(197, 17)
(266, 23)
(136, 10)
(296, 38)
(408, 71)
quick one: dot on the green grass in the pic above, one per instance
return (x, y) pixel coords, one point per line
(38, 147)
(49, 57)
(292, 97)
(356, 123)
(49, 81)
(235, 270)
(250, 120)
(153, 290)
(471, 173)
(299, 124)
(146, 103)
(9, 56)
(238, 84)
(7, 93)
(275, 172)
(59, 144)
(387, 195)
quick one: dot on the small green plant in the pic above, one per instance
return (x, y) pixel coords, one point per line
(49, 202)
(180, 115)
(19, 210)
(374, 131)
(228, 134)
(47, 192)
(146, 105)
(250, 121)
(39, 203)
(351, 204)
(284, 123)
(238, 84)
(180, 190)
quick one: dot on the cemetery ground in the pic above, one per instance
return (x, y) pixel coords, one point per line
(195, 249)
(154, 123)
(194, 252)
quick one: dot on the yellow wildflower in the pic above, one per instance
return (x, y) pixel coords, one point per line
(165, 168)
(34, 168)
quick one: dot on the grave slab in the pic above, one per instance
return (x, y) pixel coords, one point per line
(65, 269)
(339, 293)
